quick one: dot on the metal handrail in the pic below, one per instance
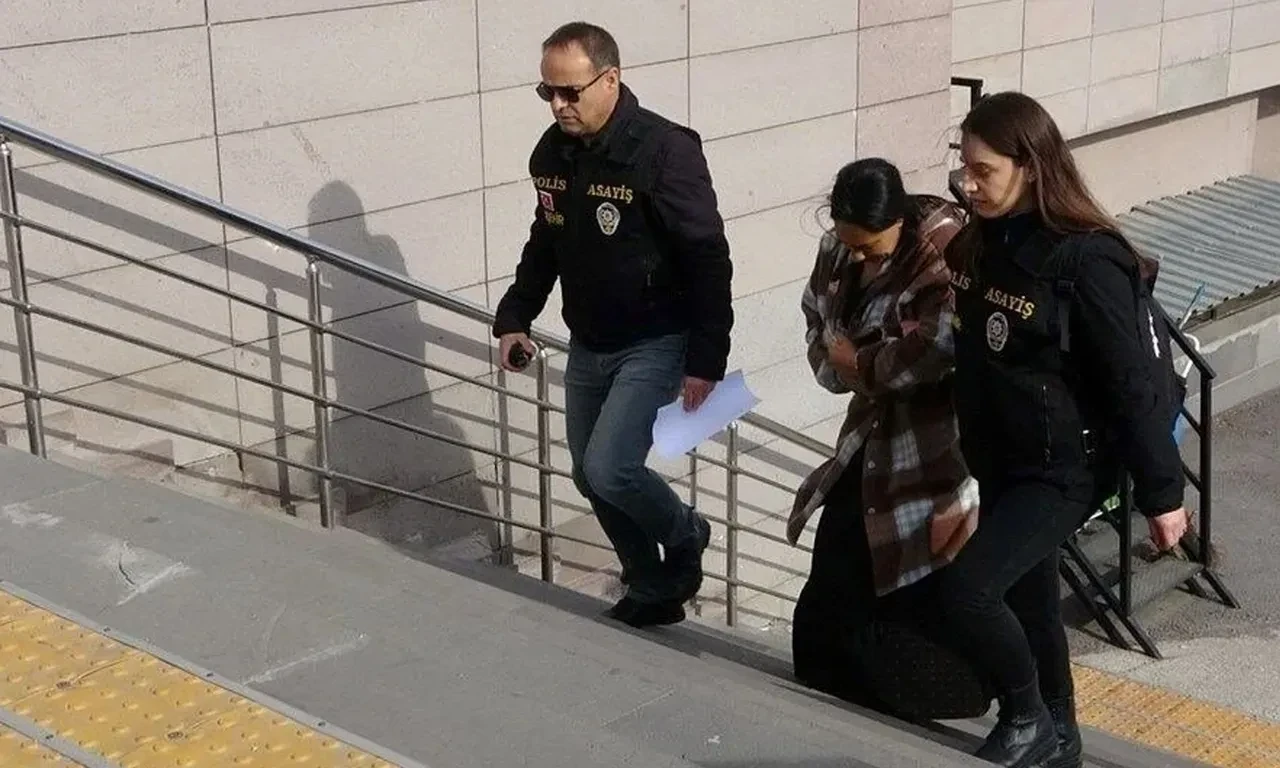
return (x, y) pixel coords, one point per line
(318, 253)
(403, 284)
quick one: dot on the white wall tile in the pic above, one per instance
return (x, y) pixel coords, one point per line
(1178, 9)
(146, 89)
(1056, 68)
(767, 324)
(1256, 25)
(932, 181)
(235, 10)
(1057, 21)
(981, 31)
(1070, 110)
(1122, 101)
(875, 13)
(998, 73)
(903, 60)
(1113, 16)
(1195, 38)
(911, 133)
(756, 88)
(1122, 54)
(779, 166)
(1194, 83)
(28, 22)
(304, 67)
(713, 24)
(775, 247)
(390, 157)
(1254, 69)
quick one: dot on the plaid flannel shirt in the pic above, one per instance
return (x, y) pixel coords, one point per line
(918, 500)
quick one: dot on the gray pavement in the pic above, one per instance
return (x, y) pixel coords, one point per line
(449, 664)
(1213, 652)
(430, 663)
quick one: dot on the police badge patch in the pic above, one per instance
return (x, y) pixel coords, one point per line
(997, 331)
(607, 217)
(547, 199)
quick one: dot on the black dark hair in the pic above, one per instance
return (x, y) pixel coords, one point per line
(868, 193)
(596, 42)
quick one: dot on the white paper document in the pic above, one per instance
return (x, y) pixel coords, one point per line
(676, 432)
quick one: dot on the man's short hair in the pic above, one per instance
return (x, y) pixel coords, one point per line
(596, 42)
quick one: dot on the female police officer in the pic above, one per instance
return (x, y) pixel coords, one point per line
(1030, 412)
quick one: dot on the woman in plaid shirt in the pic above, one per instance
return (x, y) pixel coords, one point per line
(898, 500)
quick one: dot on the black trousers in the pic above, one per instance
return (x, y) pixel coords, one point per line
(1001, 596)
(890, 653)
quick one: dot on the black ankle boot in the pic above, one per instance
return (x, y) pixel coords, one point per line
(1070, 750)
(1024, 735)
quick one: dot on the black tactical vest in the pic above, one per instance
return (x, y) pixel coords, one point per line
(615, 272)
(1024, 406)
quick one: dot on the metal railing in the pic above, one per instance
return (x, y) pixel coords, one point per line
(324, 406)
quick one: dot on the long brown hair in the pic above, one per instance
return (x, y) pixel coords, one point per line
(1017, 126)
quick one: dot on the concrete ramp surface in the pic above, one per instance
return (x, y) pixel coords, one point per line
(274, 643)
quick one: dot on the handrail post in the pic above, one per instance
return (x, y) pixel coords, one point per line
(544, 476)
(319, 388)
(506, 532)
(1126, 544)
(21, 315)
(1206, 467)
(693, 480)
(731, 532)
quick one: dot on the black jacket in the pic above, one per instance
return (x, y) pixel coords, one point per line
(629, 224)
(1029, 410)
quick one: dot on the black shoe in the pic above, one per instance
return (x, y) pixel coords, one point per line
(653, 614)
(1070, 750)
(1024, 735)
(684, 563)
(621, 609)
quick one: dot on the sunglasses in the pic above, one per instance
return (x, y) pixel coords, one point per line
(570, 93)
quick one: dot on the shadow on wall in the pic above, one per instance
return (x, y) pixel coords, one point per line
(386, 454)
(366, 379)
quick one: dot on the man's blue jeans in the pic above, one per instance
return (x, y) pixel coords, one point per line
(611, 402)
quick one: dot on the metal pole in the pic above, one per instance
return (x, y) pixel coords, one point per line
(318, 388)
(731, 532)
(693, 480)
(1126, 545)
(544, 477)
(506, 533)
(1206, 469)
(18, 287)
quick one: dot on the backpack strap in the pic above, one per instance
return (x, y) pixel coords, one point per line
(1066, 260)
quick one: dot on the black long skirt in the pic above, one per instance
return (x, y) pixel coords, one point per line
(883, 653)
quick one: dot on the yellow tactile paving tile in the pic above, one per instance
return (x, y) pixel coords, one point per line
(138, 711)
(1155, 717)
(19, 751)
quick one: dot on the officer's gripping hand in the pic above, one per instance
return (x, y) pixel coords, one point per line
(1168, 529)
(695, 392)
(515, 351)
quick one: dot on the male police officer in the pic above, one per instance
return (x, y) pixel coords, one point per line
(626, 218)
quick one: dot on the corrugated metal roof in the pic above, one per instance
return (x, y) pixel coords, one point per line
(1225, 236)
